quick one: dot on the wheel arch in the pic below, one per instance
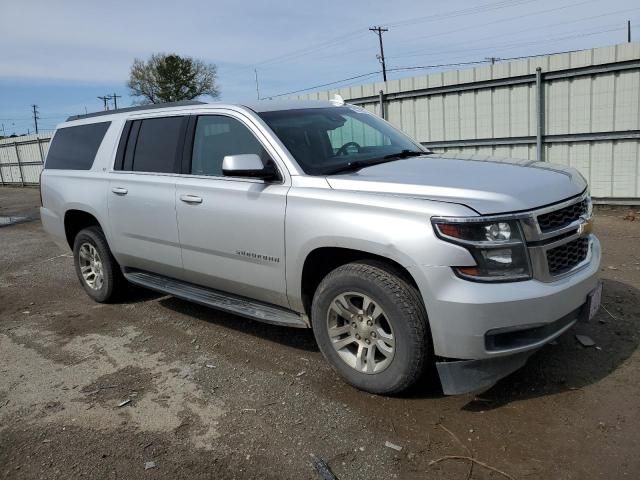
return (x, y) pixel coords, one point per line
(322, 260)
(76, 219)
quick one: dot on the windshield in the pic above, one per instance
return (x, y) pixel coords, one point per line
(330, 140)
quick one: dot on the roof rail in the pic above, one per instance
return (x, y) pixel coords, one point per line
(152, 106)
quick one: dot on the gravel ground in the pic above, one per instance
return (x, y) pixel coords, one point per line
(212, 395)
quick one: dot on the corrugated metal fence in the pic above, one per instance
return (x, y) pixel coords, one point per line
(581, 108)
(21, 159)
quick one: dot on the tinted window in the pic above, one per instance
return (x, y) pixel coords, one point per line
(157, 145)
(75, 148)
(219, 136)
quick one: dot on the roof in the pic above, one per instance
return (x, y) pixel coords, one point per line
(258, 106)
(135, 109)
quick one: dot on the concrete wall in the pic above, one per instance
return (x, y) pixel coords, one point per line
(590, 101)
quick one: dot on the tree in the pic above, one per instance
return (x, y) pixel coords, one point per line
(171, 78)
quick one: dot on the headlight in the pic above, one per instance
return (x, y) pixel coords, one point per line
(497, 247)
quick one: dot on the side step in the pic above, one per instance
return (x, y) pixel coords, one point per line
(216, 299)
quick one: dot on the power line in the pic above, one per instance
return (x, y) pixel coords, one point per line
(611, 28)
(379, 31)
(370, 74)
(418, 67)
(292, 55)
(502, 20)
(325, 84)
(463, 12)
(483, 25)
(439, 65)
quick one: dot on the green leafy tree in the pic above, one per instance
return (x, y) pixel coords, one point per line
(171, 78)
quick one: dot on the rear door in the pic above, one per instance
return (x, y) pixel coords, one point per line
(231, 229)
(142, 210)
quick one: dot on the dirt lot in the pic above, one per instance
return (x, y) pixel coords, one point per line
(217, 396)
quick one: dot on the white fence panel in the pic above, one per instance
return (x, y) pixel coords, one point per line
(22, 158)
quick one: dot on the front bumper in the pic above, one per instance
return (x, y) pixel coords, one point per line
(464, 317)
(463, 376)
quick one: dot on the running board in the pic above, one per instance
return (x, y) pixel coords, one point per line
(216, 299)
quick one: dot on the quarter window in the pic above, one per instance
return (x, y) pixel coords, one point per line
(157, 145)
(217, 136)
(75, 148)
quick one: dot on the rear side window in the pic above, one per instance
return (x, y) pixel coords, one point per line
(75, 148)
(156, 148)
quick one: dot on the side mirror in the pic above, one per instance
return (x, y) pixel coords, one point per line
(247, 165)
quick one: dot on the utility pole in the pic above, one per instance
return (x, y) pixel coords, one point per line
(257, 85)
(115, 100)
(628, 31)
(379, 31)
(105, 99)
(493, 60)
(35, 116)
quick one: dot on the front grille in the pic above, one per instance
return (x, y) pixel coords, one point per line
(563, 216)
(565, 257)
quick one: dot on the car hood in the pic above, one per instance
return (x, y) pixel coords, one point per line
(487, 185)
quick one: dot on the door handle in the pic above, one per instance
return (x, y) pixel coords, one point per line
(119, 190)
(190, 199)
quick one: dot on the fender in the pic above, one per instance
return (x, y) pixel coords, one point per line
(393, 227)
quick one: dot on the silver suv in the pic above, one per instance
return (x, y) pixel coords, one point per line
(322, 215)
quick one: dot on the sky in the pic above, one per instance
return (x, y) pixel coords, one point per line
(62, 55)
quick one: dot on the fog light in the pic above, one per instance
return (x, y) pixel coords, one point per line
(501, 256)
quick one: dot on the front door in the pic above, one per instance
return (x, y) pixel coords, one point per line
(231, 229)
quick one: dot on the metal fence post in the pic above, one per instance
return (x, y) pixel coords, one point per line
(40, 150)
(381, 100)
(41, 156)
(1, 176)
(15, 144)
(539, 116)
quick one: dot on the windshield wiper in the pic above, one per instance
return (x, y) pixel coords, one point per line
(355, 166)
(359, 164)
(406, 154)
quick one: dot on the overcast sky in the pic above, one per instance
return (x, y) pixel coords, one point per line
(62, 54)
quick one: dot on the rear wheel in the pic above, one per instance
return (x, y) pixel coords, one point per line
(371, 325)
(97, 269)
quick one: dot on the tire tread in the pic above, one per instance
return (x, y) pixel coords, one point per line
(407, 298)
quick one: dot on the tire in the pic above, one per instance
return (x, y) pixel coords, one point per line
(401, 325)
(91, 240)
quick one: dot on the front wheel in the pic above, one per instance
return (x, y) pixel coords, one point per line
(371, 325)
